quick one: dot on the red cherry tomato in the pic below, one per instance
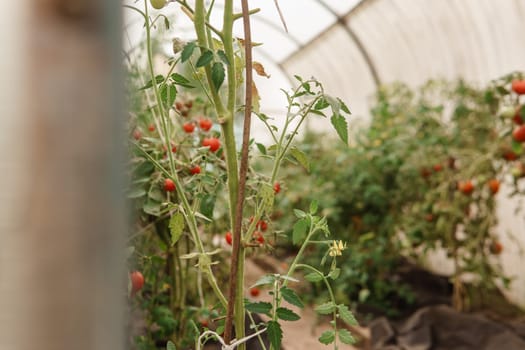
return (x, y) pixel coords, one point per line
(169, 185)
(496, 248)
(188, 127)
(195, 170)
(228, 237)
(518, 86)
(213, 143)
(262, 225)
(137, 281)
(494, 186)
(137, 135)
(254, 292)
(258, 237)
(510, 155)
(466, 187)
(519, 134)
(205, 124)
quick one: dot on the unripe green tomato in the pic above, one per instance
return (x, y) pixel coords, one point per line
(158, 4)
(482, 179)
(508, 112)
(516, 172)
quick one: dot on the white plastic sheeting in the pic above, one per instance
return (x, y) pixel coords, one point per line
(412, 41)
(382, 41)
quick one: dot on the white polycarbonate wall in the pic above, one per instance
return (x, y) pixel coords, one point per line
(353, 46)
(382, 41)
(412, 41)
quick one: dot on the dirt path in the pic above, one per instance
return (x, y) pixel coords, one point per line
(298, 335)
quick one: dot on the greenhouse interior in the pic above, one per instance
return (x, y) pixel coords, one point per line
(219, 174)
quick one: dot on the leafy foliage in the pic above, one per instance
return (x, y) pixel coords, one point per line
(393, 194)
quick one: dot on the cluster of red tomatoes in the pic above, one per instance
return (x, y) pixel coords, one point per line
(517, 114)
(261, 226)
(184, 109)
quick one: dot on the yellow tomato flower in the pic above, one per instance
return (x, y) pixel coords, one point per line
(336, 249)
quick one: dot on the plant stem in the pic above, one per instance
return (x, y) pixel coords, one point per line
(225, 116)
(236, 282)
(330, 292)
(299, 255)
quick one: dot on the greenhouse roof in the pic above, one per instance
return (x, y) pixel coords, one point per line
(353, 46)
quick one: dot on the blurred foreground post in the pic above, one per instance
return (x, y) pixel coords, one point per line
(62, 214)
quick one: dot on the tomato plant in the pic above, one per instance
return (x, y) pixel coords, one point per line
(421, 178)
(178, 214)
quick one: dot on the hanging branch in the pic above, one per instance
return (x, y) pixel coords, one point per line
(236, 253)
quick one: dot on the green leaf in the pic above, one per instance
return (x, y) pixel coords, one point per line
(158, 79)
(137, 193)
(288, 278)
(516, 147)
(341, 126)
(290, 296)
(521, 112)
(287, 314)
(299, 213)
(327, 337)
(300, 157)
(187, 51)
(275, 334)
(168, 94)
(204, 59)
(207, 205)
(299, 231)
(313, 277)
(344, 107)
(156, 194)
(152, 207)
(326, 308)
(346, 337)
(259, 307)
(502, 91)
(129, 252)
(217, 74)
(346, 315)
(223, 57)
(176, 226)
(314, 206)
(321, 104)
(143, 170)
(334, 274)
(181, 80)
(264, 280)
(261, 148)
(313, 111)
(170, 346)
